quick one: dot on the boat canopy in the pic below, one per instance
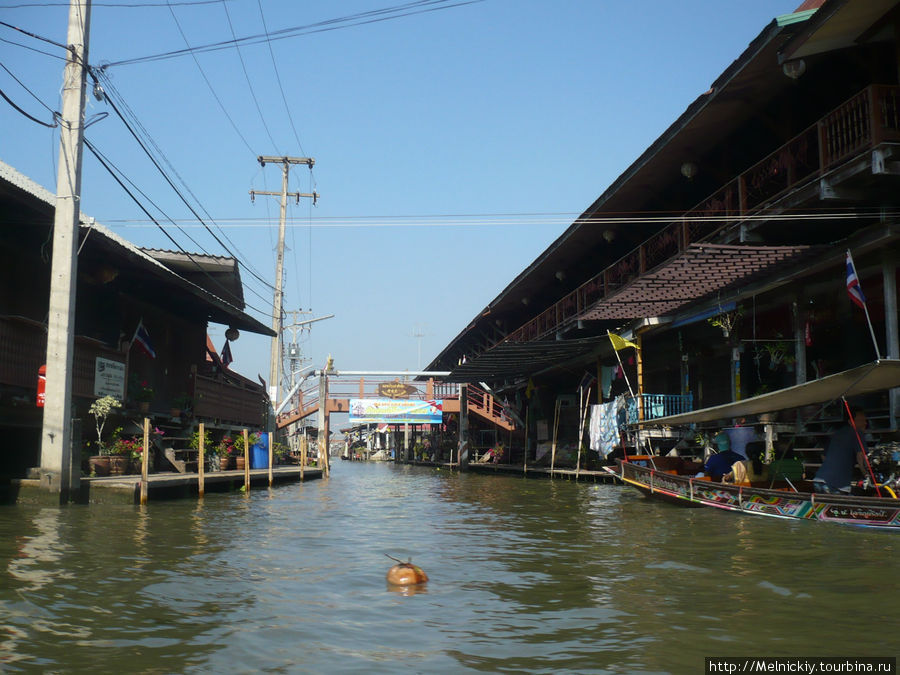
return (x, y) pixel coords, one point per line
(875, 376)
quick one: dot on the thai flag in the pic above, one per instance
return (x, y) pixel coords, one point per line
(853, 287)
(227, 358)
(142, 338)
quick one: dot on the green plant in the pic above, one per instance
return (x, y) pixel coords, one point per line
(139, 390)
(239, 442)
(183, 402)
(101, 409)
(207, 441)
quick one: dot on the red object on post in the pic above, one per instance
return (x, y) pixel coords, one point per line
(42, 383)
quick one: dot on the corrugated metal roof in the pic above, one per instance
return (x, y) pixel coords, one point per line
(225, 310)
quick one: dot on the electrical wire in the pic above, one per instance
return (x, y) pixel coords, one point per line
(544, 219)
(287, 108)
(114, 5)
(33, 49)
(352, 20)
(104, 162)
(163, 173)
(247, 78)
(209, 84)
(35, 36)
(23, 113)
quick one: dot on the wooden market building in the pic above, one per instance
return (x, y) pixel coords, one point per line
(731, 274)
(173, 295)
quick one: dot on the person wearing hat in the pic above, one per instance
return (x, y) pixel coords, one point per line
(720, 463)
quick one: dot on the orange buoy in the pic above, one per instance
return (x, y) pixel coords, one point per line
(406, 574)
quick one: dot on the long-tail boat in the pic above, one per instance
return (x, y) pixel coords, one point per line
(675, 479)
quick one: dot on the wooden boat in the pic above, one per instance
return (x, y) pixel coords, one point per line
(674, 479)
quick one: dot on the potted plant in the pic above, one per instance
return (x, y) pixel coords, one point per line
(122, 451)
(225, 451)
(239, 456)
(181, 404)
(141, 392)
(101, 409)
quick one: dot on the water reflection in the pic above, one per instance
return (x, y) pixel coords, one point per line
(525, 575)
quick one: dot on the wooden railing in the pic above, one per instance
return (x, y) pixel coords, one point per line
(657, 405)
(23, 344)
(228, 403)
(482, 403)
(867, 119)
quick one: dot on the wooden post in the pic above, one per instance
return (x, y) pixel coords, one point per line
(462, 448)
(145, 460)
(201, 461)
(271, 438)
(303, 444)
(553, 445)
(527, 411)
(246, 461)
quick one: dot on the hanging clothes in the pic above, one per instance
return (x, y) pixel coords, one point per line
(604, 426)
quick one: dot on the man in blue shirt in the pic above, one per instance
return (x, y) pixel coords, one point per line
(845, 449)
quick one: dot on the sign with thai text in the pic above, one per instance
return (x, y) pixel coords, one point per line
(394, 411)
(395, 389)
(109, 378)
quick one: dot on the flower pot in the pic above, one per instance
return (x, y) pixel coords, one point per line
(144, 406)
(224, 463)
(99, 465)
(119, 465)
(239, 463)
(175, 413)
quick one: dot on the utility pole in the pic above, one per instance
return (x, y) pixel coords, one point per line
(56, 435)
(275, 360)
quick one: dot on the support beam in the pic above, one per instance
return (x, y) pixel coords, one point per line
(892, 335)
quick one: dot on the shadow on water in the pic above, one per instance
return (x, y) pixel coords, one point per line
(525, 575)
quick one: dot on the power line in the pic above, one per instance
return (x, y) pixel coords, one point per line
(114, 5)
(247, 79)
(33, 49)
(109, 168)
(164, 174)
(287, 108)
(209, 84)
(359, 19)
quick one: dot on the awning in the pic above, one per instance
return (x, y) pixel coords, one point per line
(699, 271)
(522, 359)
(876, 376)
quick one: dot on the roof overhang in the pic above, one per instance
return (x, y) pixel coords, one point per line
(701, 270)
(523, 359)
(872, 377)
(839, 24)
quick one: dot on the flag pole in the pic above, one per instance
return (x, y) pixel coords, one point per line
(624, 374)
(864, 306)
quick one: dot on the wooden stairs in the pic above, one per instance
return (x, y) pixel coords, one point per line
(487, 407)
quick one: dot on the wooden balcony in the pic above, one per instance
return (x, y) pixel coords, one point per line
(23, 346)
(224, 402)
(859, 125)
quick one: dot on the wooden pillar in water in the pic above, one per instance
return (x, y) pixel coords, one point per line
(201, 461)
(145, 461)
(462, 449)
(247, 461)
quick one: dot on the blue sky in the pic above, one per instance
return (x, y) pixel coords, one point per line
(484, 110)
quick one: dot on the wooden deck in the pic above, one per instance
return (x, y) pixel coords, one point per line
(161, 486)
(531, 472)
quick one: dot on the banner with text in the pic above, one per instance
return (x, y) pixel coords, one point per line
(394, 411)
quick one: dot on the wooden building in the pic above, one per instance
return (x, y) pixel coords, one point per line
(731, 274)
(174, 296)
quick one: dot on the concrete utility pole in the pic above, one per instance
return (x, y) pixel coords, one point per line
(275, 361)
(56, 436)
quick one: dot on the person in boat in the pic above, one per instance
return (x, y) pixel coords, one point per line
(746, 471)
(720, 463)
(841, 454)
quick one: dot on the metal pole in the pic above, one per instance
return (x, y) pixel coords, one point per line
(56, 436)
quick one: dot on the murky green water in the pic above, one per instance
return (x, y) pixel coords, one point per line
(526, 576)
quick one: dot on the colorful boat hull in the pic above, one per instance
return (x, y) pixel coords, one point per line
(690, 491)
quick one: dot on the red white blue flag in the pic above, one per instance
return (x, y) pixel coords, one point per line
(142, 340)
(853, 287)
(227, 358)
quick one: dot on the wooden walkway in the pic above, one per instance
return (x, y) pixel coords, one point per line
(175, 485)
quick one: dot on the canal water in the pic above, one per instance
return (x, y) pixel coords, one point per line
(525, 576)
